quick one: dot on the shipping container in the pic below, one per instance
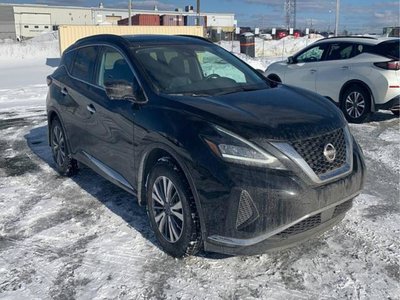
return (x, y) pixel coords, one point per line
(192, 21)
(172, 20)
(70, 34)
(142, 19)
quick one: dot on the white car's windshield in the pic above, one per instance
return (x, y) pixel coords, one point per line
(196, 70)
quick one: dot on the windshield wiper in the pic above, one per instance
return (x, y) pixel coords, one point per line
(238, 89)
(191, 94)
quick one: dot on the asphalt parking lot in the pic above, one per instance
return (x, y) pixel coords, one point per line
(82, 237)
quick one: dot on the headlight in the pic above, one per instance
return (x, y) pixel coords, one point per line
(233, 148)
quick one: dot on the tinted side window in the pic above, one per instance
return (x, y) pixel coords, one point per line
(361, 48)
(312, 55)
(339, 51)
(114, 67)
(389, 49)
(84, 63)
(68, 59)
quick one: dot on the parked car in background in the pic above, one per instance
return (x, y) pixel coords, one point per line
(361, 75)
(221, 160)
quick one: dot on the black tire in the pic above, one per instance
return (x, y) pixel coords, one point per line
(274, 78)
(396, 112)
(65, 164)
(356, 104)
(179, 235)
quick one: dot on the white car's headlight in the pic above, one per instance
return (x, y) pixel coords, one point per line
(236, 149)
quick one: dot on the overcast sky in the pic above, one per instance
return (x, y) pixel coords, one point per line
(359, 16)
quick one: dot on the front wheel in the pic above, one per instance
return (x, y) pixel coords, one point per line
(172, 212)
(356, 104)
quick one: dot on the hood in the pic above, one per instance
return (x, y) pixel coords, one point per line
(281, 113)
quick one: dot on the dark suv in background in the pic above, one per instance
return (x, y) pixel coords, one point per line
(220, 159)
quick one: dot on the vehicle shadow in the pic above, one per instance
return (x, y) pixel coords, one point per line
(381, 116)
(53, 62)
(114, 198)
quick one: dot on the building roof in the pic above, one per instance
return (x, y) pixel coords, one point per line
(125, 10)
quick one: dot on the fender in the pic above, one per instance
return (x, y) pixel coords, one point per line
(183, 167)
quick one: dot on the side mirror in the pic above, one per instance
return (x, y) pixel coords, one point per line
(290, 60)
(123, 90)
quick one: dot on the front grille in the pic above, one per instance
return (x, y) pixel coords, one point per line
(312, 151)
(342, 208)
(302, 226)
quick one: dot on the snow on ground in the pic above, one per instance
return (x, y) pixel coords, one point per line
(83, 237)
(274, 48)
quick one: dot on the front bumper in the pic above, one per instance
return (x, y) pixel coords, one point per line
(285, 208)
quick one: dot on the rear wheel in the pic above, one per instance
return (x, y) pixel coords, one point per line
(356, 104)
(172, 212)
(65, 165)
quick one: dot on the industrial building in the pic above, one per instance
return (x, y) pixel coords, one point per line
(22, 21)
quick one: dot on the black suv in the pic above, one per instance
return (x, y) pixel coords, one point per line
(222, 159)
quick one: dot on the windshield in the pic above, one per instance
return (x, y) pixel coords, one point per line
(196, 70)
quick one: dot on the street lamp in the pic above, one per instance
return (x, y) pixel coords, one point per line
(129, 12)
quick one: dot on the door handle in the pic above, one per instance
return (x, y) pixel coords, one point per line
(313, 71)
(64, 91)
(91, 108)
(345, 68)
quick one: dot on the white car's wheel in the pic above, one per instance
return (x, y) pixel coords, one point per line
(356, 104)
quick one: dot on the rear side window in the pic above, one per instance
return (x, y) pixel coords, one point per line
(388, 49)
(84, 63)
(361, 48)
(339, 51)
(68, 59)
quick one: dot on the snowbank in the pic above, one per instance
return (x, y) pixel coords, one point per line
(43, 46)
(274, 48)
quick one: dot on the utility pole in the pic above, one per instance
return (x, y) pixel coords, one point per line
(290, 8)
(130, 12)
(337, 17)
(198, 12)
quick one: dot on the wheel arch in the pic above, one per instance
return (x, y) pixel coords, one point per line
(148, 160)
(359, 83)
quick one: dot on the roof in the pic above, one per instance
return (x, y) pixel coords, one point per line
(163, 39)
(355, 39)
(145, 39)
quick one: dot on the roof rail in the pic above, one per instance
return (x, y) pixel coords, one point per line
(195, 37)
(99, 36)
(349, 37)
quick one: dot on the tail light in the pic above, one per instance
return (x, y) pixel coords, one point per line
(49, 80)
(389, 65)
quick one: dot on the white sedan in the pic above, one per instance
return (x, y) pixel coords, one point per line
(360, 74)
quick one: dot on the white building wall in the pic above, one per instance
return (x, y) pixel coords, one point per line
(220, 20)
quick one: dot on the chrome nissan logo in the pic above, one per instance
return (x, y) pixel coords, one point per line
(330, 152)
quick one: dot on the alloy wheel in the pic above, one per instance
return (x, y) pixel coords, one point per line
(58, 143)
(355, 104)
(167, 209)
